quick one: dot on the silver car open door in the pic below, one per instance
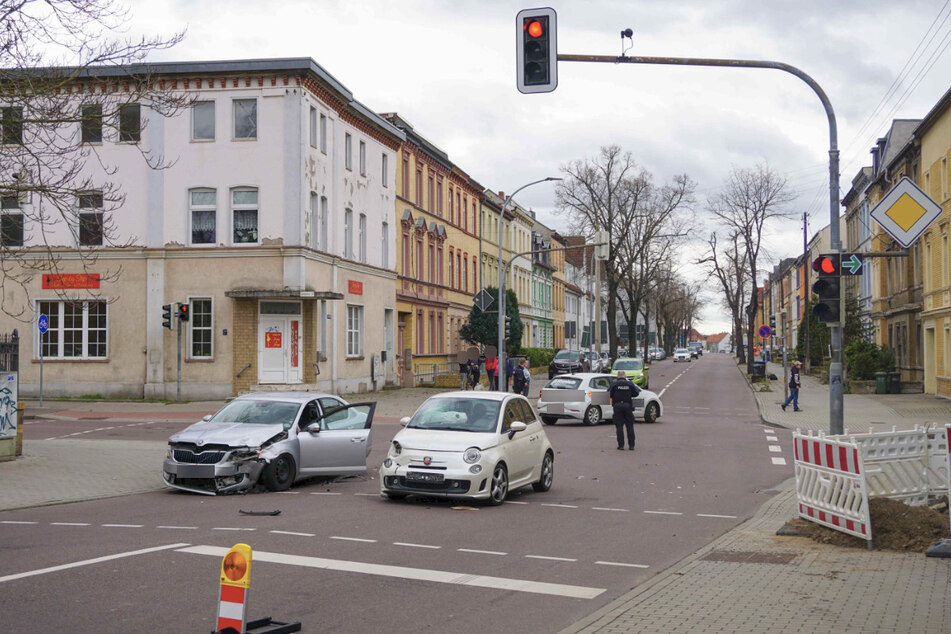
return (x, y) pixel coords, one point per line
(342, 442)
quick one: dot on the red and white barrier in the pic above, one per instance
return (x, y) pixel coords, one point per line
(830, 484)
(232, 608)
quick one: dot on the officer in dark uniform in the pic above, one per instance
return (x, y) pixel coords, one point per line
(622, 394)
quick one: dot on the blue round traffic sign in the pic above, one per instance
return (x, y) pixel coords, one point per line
(764, 331)
(43, 323)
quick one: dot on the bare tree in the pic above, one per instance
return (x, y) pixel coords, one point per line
(65, 81)
(728, 265)
(749, 199)
(611, 192)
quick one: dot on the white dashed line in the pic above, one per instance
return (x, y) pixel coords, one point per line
(772, 439)
(618, 563)
(290, 492)
(549, 558)
(292, 533)
(480, 552)
(777, 460)
(69, 524)
(180, 528)
(416, 545)
(354, 539)
(323, 493)
(370, 495)
(729, 517)
(663, 513)
(706, 408)
(231, 528)
(16, 522)
(603, 508)
(122, 525)
(564, 506)
(514, 502)
(775, 449)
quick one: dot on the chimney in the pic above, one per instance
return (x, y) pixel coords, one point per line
(502, 195)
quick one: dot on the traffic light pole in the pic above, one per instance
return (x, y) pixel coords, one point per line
(835, 368)
(178, 377)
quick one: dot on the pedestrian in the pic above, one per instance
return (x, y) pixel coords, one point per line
(463, 374)
(509, 372)
(622, 393)
(795, 382)
(526, 377)
(474, 373)
(492, 371)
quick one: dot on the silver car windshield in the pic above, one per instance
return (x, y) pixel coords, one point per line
(258, 413)
(457, 414)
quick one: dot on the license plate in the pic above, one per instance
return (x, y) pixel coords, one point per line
(555, 408)
(417, 476)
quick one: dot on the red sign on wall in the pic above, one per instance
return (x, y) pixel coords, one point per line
(294, 344)
(355, 287)
(272, 340)
(81, 281)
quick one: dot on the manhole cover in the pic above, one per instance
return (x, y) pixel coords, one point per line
(749, 557)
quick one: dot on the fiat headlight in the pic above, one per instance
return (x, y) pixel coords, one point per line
(396, 448)
(388, 463)
(472, 455)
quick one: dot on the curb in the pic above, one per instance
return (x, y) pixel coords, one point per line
(759, 406)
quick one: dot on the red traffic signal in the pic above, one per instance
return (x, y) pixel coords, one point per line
(537, 50)
(827, 265)
(182, 312)
(534, 28)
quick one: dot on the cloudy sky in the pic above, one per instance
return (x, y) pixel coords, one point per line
(449, 68)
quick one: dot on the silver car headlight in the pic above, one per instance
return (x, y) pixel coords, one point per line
(472, 455)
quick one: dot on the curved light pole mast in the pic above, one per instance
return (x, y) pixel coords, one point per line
(501, 287)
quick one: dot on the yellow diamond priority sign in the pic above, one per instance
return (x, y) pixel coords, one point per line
(905, 212)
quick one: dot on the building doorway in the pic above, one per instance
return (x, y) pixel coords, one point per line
(280, 344)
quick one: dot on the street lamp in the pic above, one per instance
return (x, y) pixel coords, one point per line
(501, 287)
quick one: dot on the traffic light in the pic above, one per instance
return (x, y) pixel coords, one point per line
(537, 50)
(182, 312)
(508, 327)
(827, 287)
(167, 316)
(772, 322)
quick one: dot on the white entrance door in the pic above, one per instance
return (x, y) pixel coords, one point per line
(279, 349)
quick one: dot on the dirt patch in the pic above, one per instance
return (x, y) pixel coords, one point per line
(895, 526)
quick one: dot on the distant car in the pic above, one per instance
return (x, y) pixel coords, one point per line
(271, 437)
(564, 362)
(478, 445)
(696, 350)
(682, 354)
(634, 369)
(585, 397)
(594, 361)
(657, 354)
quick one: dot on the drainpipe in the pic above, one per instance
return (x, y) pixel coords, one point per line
(332, 335)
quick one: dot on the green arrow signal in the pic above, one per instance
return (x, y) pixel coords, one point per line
(854, 263)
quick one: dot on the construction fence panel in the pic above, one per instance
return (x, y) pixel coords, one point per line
(830, 484)
(896, 464)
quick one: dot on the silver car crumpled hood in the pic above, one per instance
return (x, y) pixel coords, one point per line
(439, 440)
(231, 434)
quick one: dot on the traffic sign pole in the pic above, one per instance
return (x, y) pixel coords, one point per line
(42, 324)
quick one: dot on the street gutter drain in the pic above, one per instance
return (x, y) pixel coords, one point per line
(749, 557)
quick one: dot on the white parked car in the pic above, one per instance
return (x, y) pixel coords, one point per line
(682, 354)
(477, 445)
(584, 397)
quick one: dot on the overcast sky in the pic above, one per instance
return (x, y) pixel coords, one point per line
(449, 69)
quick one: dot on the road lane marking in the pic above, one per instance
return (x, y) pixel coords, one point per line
(777, 460)
(663, 513)
(480, 552)
(16, 522)
(354, 539)
(292, 533)
(707, 408)
(604, 508)
(289, 492)
(775, 449)
(417, 574)
(549, 558)
(729, 517)
(372, 495)
(514, 502)
(122, 525)
(231, 528)
(772, 439)
(619, 563)
(180, 528)
(564, 506)
(324, 493)
(69, 524)
(416, 545)
(87, 562)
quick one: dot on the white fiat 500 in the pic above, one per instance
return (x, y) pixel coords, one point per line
(468, 445)
(585, 396)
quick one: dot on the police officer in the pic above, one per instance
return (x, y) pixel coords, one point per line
(622, 394)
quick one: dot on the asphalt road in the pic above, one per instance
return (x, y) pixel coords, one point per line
(340, 558)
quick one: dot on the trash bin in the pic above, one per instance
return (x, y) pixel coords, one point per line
(759, 370)
(894, 382)
(881, 382)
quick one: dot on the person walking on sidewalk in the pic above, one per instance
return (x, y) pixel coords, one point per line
(492, 370)
(794, 384)
(526, 375)
(622, 394)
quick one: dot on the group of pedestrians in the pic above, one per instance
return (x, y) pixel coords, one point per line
(518, 376)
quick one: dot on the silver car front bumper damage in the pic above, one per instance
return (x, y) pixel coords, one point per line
(212, 479)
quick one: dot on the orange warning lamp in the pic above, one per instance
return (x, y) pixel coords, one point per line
(236, 566)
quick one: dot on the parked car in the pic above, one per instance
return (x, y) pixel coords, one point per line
(634, 369)
(594, 361)
(565, 361)
(274, 438)
(468, 445)
(585, 397)
(682, 354)
(657, 354)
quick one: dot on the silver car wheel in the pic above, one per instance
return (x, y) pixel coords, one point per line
(500, 485)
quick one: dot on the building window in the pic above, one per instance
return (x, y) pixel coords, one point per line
(90, 125)
(11, 222)
(11, 120)
(130, 123)
(432, 332)
(363, 158)
(203, 121)
(324, 245)
(407, 264)
(465, 274)
(431, 202)
(323, 133)
(439, 197)
(440, 334)
(385, 245)
(354, 331)
(90, 219)
(405, 178)
(348, 151)
(77, 330)
(200, 328)
(363, 237)
(419, 187)
(384, 175)
(432, 262)
(348, 234)
(314, 223)
(475, 274)
(452, 210)
(312, 125)
(419, 259)
(419, 332)
(452, 269)
(245, 118)
(459, 208)
(204, 216)
(244, 205)
(458, 280)
(439, 264)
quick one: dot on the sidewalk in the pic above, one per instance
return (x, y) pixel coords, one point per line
(751, 580)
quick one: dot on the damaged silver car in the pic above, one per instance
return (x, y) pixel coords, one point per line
(274, 438)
